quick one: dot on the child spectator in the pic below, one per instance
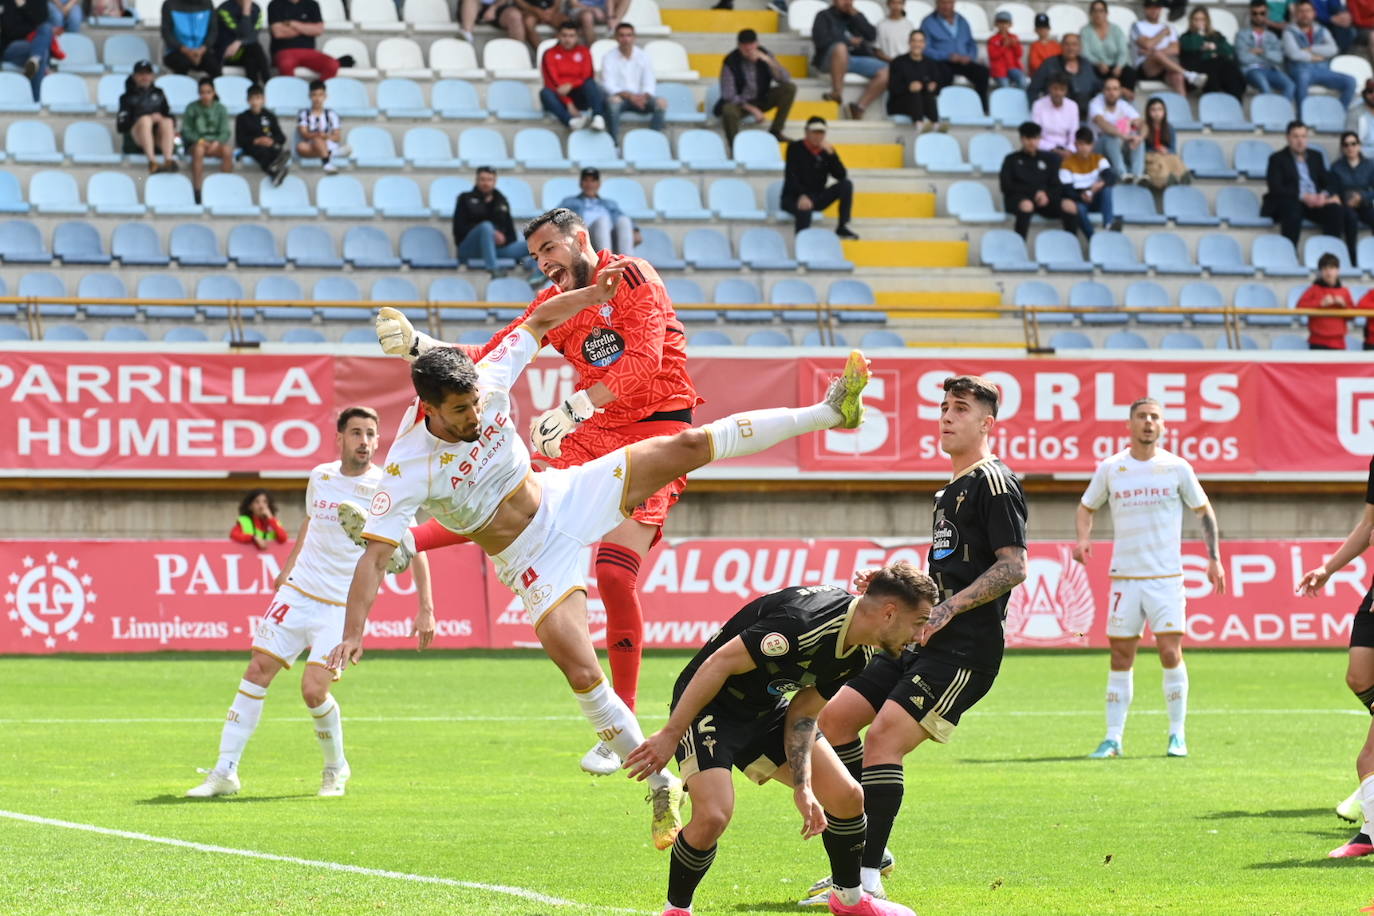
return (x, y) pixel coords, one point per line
(257, 522)
(1327, 333)
(1004, 54)
(259, 137)
(205, 131)
(1088, 178)
(318, 129)
(1044, 47)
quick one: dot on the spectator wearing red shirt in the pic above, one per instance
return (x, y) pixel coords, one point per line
(257, 522)
(570, 92)
(1367, 302)
(1325, 333)
(1004, 54)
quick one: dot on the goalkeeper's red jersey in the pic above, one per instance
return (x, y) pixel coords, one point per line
(634, 344)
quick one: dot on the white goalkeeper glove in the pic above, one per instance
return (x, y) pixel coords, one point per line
(549, 428)
(398, 336)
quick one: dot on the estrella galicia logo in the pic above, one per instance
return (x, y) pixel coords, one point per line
(944, 539)
(783, 686)
(602, 347)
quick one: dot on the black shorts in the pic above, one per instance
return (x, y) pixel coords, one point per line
(933, 692)
(715, 740)
(1362, 627)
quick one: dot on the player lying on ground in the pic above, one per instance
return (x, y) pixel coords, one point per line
(307, 611)
(730, 708)
(460, 456)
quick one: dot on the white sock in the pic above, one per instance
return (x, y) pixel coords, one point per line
(754, 431)
(615, 724)
(329, 729)
(849, 896)
(871, 879)
(1176, 697)
(1120, 685)
(332, 146)
(1367, 804)
(239, 724)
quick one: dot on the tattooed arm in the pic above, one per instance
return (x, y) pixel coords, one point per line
(1001, 577)
(1211, 537)
(799, 737)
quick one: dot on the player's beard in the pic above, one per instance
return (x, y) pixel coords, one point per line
(581, 269)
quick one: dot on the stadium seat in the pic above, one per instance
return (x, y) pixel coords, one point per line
(813, 338)
(1114, 253)
(89, 143)
(54, 192)
(1058, 252)
(228, 195)
(16, 95)
(764, 249)
(22, 243)
(456, 100)
(518, 196)
(768, 337)
(508, 290)
(1180, 340)
(977, 17)
(506, 58)
(1040, 293)
(348, 98)
(1167, 253)
(555, 190)
(1201, 295)
(877, 340)
(1090, 294)
(1220, 255)
(710, 339)
(732, 200)
(971, 202)
(137, 245)
(180, 90)
(538, 148)
(80, 56)
(683, 107)
(1136, 206)
(1353, 66)
(1271, 112)
(986, 152)
(254, 246)
(65, 93)
(1240, 208)
(164, 286)
(220, 288)
(656, 247)
(686, 293)
(648, 151)
(443, 193)
(484, 146)
(426, 248)
(1004, 250)
(32, 142)
(233, 92)
(310, 247)
(1323, 113)
(375, 15)
(1246, 343)
(78, 243)
(398, 197)
(456, 289)
(1252, 157)
(1288, 342)
(1365, 253)
(670, 61)
(168, 194)
(1220, 111)
(402, 58)
(820, 249)
(594, 149)
(738, 291)
(1070, 340)
(679, 198)
(1125, 340)
(104, 286)
(428, 16)
(367, 248)
(707, 249)
(961, 106)
(281, 289)
(1008, 107)
(399, 289)
(1258, 296)
(11, 195)
(289, 200)
(511, 100)
(44, 285)
(65, 332)
(1314, 246)
(121, 52)
(851, 293)
(453, 58)
(1186, 206)
(704, 151)
(1148, 294)
(342, 197)
(1180, 114)
(1206, 160)
(239, 336)
(757, 151)
(302, 336)
(373, 148)
(794, 292)
(628, 193)
(13, 332)
(940, 153)
(474, 337)
(337, 288)
(1275, 256)
(287, 96)
(801, 14)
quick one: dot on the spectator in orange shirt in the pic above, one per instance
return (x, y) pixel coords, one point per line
(1004, 54)
(1044, 47)
(1327, 333)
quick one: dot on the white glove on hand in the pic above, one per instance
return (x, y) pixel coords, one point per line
(398, 336)
(549, 428)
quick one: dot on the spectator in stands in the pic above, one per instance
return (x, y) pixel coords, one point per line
(110, 9)
(914, 87)
(238, 42)
(1204, 50)
(627, 77)
(1163, 167)
(1300, 187)
(1004, 54)
(295, 24)
(752, 82)
(1309, 47)
(1044, 47)
(65, 16)
(26, 38)
(1106, 48)
(1327, 332)
(1057, 115)
(1030, 184)
(1119, 130)
(1334, 15)
(610, 229)
(1364, 121)
(1366, 303)
(949, 40)
(189, 29)
(587, 14)
(259, 137)
(319, 131)
(257, 522)
(811, 162)
(777, 6)
(482, 224)
(1076, 71)
(205, 131)
(534, 13)
(1088, 178)
(507, 16)
(893, 32)
(570, 93)
(843, 39)
(145, 119)
(1259, 51)
(1354, 174)
(1156, 49)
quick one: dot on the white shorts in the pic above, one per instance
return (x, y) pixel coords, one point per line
(295, 622)
(1134, 601)
(578, 507)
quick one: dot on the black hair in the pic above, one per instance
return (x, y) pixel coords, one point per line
(746, 37)
(1029, 129)
(1294, 125)
(486, 168)
(348, 413)
(976, 387)
(1328, 260)
(566, 25)
(625, 25)
(567, 221)
(246, 504)
(1083, 135)
(253, 90)
(441, 372)
(206, 81)
(318, 84)
(1059, 79)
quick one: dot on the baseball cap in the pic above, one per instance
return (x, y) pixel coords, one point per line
(1042, 21)
(815, 123)
(143, 66)
(591, 173)
(1150, 3)
(1002, 16)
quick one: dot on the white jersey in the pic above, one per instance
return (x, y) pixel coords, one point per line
(1146, 499)
(461, 484)
(324, 566)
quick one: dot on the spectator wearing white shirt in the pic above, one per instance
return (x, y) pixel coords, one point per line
(894, 32)
(627, 78)
(1155, 44)
(1116, 125)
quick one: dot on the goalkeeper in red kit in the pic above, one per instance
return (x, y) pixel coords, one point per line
(632, 384)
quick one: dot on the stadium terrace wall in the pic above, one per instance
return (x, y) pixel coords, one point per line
(147, 596)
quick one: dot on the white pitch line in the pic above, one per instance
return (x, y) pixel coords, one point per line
(522, 893)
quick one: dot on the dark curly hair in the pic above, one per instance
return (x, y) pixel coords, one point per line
(246, 504)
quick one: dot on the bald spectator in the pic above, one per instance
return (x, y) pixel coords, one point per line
(751, 83)
(844, 44)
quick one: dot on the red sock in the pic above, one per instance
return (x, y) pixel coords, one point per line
(617, 578)
(432, 535)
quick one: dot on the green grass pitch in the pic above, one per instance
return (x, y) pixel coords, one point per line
(465, 768)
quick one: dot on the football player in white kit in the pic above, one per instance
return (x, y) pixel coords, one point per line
(307, 611)
(1147, 488)
(459, 455)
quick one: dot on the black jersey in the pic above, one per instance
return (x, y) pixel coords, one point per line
(977, 513)
(796, 638)
(1369, 487)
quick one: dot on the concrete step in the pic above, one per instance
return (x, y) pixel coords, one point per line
(725, 22)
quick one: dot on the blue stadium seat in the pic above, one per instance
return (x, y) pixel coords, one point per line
(180, 90)
(43, 285)
(164, 286)
(194, 245)
(679, 198)
(1008, 107)
(400, 289)
(1148, 294)
(233, 92)
(473, 337)
(1239, 207)
(227, 194)
(1114, 253)
(1070, 340)
(1271, 112)
(1252, 157)
(684, 291)
(539, 148)
(768, 337)
(1246, 343)
(104, 286)
(812, 338)
(220, 288)
(1168, 254)
(511, 100)
(628, 193)
(877, 340)
(65, 332)
(289, 200)
(682, 104)
(338, 288)
(311, 247)
(456, 289)
(594, 149)
(366, 247)
(704, 151)
(122, 51)
(508, 290)
(1058, 252)
(757, 151)
(398, 197)
(185, 335)
(1258, 296)
(484, 146)
(403, 98)
(65, 93)
(108, 90)
(518, 196)
(15, 94)
(710, 339)
(1220, 255)
(302, 336)
(987, 150)
(971, 202)
(1323, 113)
(1180, 340)
(170, 195)
(78, 243)
(1125, 340)
(1187, 207)
(22, 243)
(708, 249)
(1206, 160)
(1220, 111)
(820, 249)
(244, 336)
(51, 191)
(32, 142)
(1094, 295)
(428, 148)
(940, 153)
(961, 106)
(342, 197)
(556, 189)
(1004, 250)
(123, 333)
(1038, 293)
(1314, 246)
(1288, 342)
(793, 292)
(359, 335)
(11, 195)
(854, 292)
(1365, 253)
(733, 200)
(738, 291)
(281, 288)
(287, 96)
(137, 245)
(1136, 205)
(254, 246)
(648, 151)
(443, 193)
(1201, 295)
(373, 148)
(1275, 256)
(426, 248)
(656, 247)
(89, 143)
(456, 100)
(1180, 114)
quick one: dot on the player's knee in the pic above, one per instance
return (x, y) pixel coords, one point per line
(260, 670)
(1363, 690)
(708, 822)
(694, 446)
(314, 694)
(845, 800)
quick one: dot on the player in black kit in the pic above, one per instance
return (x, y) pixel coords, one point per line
(977, 556)
(730, 708)
(1359, 675)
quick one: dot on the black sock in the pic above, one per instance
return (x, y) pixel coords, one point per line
(1360, 837)
(882, 800)
(852, 756)
(844, 844)
(686, 868)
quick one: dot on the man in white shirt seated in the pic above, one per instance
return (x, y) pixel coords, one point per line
(627, 78)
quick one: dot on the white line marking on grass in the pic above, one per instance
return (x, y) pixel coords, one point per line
(522, 893)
